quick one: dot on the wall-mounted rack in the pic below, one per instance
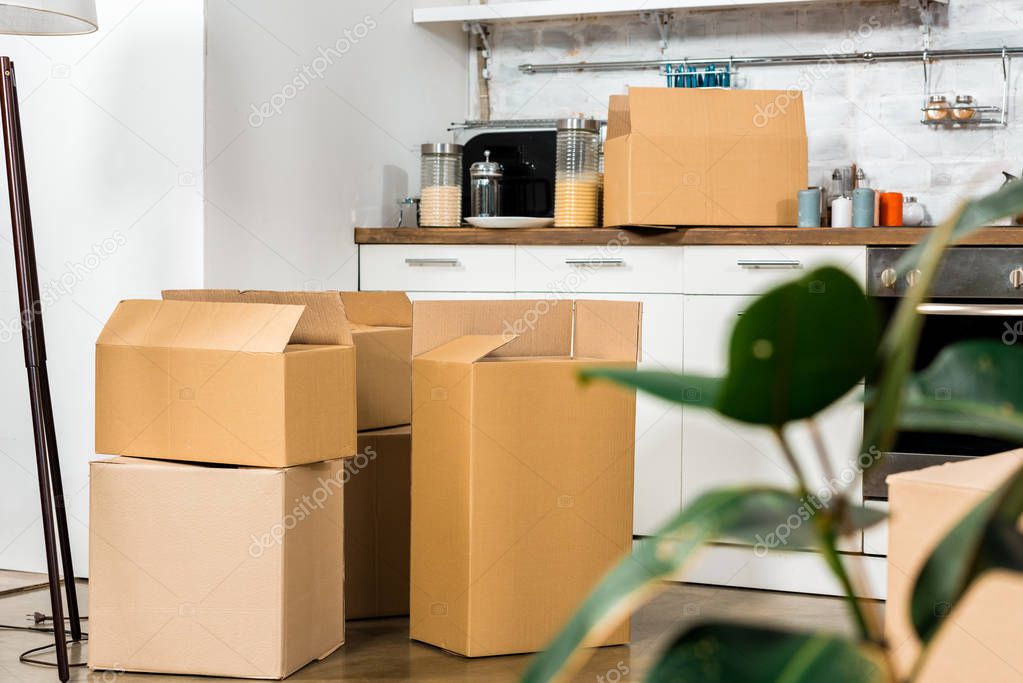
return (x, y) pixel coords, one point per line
(778, 60)
(979, 115)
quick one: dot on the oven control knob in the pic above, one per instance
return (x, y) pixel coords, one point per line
(912, 277)
(1016, 278)
(889, 276)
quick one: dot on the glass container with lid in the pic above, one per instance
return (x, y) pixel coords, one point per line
(937, 108)
(485, 187)
(577, 181)
(441, 179)
(964, 109)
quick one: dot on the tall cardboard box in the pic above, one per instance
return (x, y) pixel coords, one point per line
(214, 571)
(980, 641)
(377, 500)
(379, 324)
(221, 383)
(677, 157)
(522, 477)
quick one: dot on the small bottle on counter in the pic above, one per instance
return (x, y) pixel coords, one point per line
(863, 207)
(841, 212)
(891, 209)
(809, 208)
(440, 204)
(913, 212)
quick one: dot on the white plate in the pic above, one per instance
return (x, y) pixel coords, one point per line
(509, 222)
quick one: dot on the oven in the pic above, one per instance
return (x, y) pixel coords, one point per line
(977, 294)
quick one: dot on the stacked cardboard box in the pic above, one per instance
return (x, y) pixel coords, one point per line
(521, 477)
(379, 324)
(238, 569)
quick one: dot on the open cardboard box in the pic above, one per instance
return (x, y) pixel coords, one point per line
(214, 571)
(678, 157)
(221, 383)
(377, 502)
(379, 324)
(522, 477)
(979, 640)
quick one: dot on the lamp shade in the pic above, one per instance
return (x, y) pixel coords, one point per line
(47, 17)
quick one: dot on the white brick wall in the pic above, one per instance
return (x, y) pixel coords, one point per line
(868, 114)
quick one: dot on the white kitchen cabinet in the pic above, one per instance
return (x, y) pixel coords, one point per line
(595, 269)
(718, 452)
(718, 270)
(437, 268)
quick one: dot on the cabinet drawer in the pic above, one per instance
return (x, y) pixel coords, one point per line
(755, 270)
(654, 270)
(437, 268)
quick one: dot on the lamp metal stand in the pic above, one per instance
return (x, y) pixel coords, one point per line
(51, 490)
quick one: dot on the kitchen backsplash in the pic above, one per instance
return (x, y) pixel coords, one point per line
(863, 113)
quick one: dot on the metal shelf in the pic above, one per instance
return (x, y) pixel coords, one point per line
(534, 10)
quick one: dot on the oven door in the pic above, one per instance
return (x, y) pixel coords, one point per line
(946, 321)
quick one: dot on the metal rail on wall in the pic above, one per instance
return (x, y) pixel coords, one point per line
(779, 60)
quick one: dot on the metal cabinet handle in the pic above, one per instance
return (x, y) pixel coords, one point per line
(769, 263)
(993, 310)
(449, 262)
(616, 262)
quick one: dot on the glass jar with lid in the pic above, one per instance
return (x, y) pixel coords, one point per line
(577, 182)
(440, 202)
(937, 108)
(964, 109)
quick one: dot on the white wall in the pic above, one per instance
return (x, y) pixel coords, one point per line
(113, 142)
(314, 121)
(867, 114)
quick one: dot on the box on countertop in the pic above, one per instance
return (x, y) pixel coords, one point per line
(377, 500)
(981, 643)
(221, 383)
(214, 571)
(522, 477)
(379, 324)
(678, 157)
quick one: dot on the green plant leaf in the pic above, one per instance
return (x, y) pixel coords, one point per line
(671, 386)
(972, 387)
(750, 515)
(898, 347)
(782, 361)
(729, 653)
(986, 538)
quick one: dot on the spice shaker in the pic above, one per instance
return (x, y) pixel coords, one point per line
(576, 185)
(441, 201)
(485, 187)
(913, 212)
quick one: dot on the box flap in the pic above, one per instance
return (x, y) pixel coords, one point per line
(259, 328)
(609, 330)
(985, 474)
(379, 309)
(541, 328)
(618, 123)
(323, 322)
(686, 112)
(468, 349)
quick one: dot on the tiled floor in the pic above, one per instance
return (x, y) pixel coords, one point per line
(379, 650)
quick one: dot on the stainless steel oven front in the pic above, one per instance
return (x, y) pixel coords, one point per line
(977, 294)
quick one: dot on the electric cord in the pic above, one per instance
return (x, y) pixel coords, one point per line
(27, 657)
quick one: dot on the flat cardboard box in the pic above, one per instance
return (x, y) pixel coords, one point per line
(214, 571)
(378, 323)
(981, 640)
(377, 500)
(522, 477)
(221, 383)
(678, 157)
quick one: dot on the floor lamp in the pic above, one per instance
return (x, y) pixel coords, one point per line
(40, 18)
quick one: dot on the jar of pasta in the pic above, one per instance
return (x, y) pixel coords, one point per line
(577, 180)
(440, 202)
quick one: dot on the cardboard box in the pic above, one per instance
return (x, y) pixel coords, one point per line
(377, 500)
(982, 641)
(221, 383)
(378, 323)
(214, 571)
(522, 477)
(676, 157)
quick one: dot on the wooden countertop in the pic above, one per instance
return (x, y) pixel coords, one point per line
(994, 236)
